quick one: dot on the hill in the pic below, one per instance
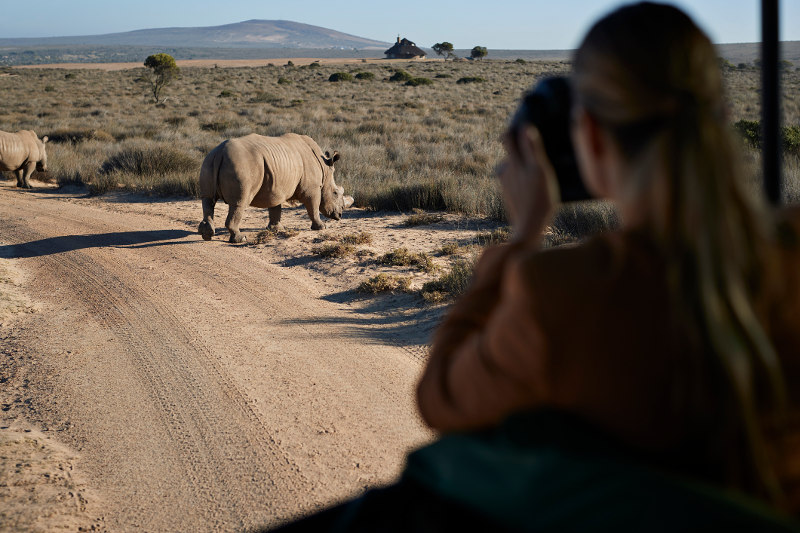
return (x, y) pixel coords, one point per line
(247, 34)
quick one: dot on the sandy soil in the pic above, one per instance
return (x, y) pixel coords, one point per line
(226, 63)
(152, 381)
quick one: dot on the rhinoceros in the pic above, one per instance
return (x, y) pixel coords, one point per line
(21, 153)
(265, 172)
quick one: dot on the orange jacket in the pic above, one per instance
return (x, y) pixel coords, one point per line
(588, 329)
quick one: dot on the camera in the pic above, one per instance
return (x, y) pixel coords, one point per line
(548, 106)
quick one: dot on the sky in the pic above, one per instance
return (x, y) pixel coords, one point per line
(499, 24)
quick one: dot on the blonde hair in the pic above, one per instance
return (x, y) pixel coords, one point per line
(650, 77)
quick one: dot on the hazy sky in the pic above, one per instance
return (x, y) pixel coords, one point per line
(516, 24)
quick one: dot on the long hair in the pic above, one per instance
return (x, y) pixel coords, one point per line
(650, 77)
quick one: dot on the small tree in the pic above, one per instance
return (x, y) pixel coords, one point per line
(163, 70)
(444, 49)
(478, 52)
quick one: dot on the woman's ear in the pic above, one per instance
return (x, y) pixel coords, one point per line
(592, 151)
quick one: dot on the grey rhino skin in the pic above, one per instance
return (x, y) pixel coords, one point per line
(265, 172)
(22, 153)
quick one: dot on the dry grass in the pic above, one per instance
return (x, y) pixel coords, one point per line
(421, 218)
(335, 250)
(403, 257)
(385, 283)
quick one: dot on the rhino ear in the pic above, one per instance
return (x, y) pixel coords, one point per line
(335, 156)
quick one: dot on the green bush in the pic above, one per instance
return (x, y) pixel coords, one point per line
(341, 76)
(226, 94)
(751, 131)
(284, 81)
(401, 75)
(365, 76)
(415, 82)
(471, 79)
(443, 76)
(791, 139)
(315, 64)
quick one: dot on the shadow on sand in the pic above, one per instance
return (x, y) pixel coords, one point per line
(68, 243)
(400, 319)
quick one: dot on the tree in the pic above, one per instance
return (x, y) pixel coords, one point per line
(163, 70)
(478, 52)
(444, 49)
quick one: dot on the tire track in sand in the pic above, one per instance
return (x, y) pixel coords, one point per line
(173, 397)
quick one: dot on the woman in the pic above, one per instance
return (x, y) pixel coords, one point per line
(679, 333)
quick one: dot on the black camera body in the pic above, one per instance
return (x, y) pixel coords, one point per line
(548, 107)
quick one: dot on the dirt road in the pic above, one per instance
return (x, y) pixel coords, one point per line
(199, 386)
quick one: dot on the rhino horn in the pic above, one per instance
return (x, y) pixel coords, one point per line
(348, 201)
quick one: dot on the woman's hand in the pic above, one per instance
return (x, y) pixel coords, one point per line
(529, 184)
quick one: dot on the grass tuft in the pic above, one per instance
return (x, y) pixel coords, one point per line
(385, 283)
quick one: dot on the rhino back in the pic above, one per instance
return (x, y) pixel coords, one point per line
(14, 151)
(289, 167)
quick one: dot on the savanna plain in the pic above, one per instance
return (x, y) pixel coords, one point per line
(153, 381)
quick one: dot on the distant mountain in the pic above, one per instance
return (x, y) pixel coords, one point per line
(247, 34)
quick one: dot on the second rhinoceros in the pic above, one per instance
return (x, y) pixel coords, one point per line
(265, 172)
(22, 153)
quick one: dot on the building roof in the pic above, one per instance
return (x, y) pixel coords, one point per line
(404, 49)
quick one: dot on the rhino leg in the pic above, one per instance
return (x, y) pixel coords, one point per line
(235, 213)
(275, 218)
(313, 213)
(26, 173)
(20, 181)
(206, 227)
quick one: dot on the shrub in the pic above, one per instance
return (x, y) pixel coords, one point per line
(267, 235)
(750, 130)
(157, 160)
(341, 76)
(363, 237)
(284, 81)
(49, 88)
(225, 94)
(520, 61)
(175, 121)
(78, 136)
(338, 249)
(443, 76)
(791, 139)
(450, 285)
(415, 82)
(385, 283)
(365, 76)
(471, 79)
(218, 127)
(402, 257)
(69, 75)
(262, 97)
(315, 64)
(401, 75)
(496, 236)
